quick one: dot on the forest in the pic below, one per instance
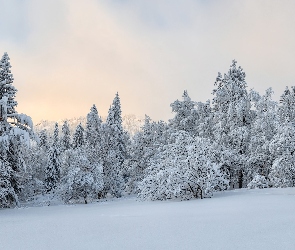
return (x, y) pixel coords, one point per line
(239, 139)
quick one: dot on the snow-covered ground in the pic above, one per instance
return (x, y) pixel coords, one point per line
(237, 219)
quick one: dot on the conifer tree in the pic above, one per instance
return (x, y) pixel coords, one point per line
(65, 137)
(114, 149)
(93, 128)
(53, 170)
(6, 87)
(15, 132)
(78, 138)
(8, 197)
(287, 106)
(185, 115)
(43, 139)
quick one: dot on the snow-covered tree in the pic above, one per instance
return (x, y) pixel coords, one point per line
(15, 132)
(93, 128)
(183, 170)
(78, 138)
(282, 147)
(43, 138)
(6, 87)
(233, 116)
(52, 171)
(83, 180)
(287, 106)
(259, 181)
(8, 197)
(282, 173)
(65, 142)
(204, 124)
(185, 114)
(114, 149)
(263, 129)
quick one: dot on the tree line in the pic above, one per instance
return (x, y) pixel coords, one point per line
(238, 139)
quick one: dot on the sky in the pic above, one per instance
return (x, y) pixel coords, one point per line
(67, 55)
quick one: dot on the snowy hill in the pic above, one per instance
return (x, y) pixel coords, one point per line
(131, 123)
(237, 219)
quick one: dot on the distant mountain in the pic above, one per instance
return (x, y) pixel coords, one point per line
(131, 123)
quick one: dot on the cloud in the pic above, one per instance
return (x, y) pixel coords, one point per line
(67, 55)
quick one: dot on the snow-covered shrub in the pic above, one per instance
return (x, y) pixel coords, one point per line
(83, 180)
(283, 171)
(183, 170)
(259, 181)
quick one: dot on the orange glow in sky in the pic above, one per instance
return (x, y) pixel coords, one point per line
(67, 55)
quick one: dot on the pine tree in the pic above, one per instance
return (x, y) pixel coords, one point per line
(53, 170)
(43, 139)
(93, 128)
(185, 115)
(8, 197)
(287, 108)
(6, 87)
(15, 131)
(66, 137)
(78, 138)
(114, 149)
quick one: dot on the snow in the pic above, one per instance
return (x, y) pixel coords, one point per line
(236, 219)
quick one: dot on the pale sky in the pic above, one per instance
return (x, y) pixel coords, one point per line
(69, 54)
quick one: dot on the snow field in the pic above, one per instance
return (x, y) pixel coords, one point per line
(236, 219)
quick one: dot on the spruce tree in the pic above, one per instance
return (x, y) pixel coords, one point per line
(65, 142)
(53, 170)
(78, 138)
(185, 115)
(15, 132)
(6, 87)
(114, 149)
(93, 128)
(287, 106)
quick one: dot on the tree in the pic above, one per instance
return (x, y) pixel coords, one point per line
(287, 108)
(263, 130)
(83, 180)
(282, 147)
(93, 128)
(185, 115)
(6, 87)
(43, 139)
(233, 117)
(66, 137)
(52, 171)
(259, 181)
(8, 197)
(183, 170)
(114, 149)
(78, 138)
(15, 132)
